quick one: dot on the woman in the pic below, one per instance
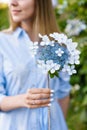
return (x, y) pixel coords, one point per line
(24, 96)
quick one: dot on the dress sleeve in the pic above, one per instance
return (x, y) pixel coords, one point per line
(64, 85)
(2, 80)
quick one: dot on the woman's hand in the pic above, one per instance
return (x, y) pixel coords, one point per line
(38, 97)
(34, 98)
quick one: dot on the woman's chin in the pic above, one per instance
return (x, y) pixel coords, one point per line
(16, 20)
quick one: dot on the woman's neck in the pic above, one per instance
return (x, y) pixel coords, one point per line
(28, 27)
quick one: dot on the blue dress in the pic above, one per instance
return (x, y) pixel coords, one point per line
(19, 72)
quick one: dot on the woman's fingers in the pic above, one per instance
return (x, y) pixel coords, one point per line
(39, 102)
(38, 96)
(37, 106)
(40, 90)
(39, 93)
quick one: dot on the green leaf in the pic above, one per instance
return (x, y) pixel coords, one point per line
(54, 74)
(83, 116)
(84, 103)
(85, 89)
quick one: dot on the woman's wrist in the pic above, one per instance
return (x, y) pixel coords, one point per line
(12, 102)
(20, 100)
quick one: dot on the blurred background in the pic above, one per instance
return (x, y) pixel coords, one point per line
(72, 19)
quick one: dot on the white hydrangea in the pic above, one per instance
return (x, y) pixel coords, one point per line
(59, 41)
(33, 48)
(74, 27)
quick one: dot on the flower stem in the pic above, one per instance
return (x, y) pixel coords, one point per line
(48, 85)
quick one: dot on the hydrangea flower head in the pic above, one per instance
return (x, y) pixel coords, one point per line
(58, 54)
(74, 27)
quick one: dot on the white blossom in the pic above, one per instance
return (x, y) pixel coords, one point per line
(76, 87)
(70, 69)
(45, 40)
(52, 71)
(57, 66)
(33, 48)
(74, 27)
(60, 38)
(71, 46)
(59, 52)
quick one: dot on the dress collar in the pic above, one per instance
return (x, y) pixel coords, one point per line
(21, 32)
(18, 32)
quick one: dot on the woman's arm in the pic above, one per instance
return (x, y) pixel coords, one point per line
(34, 98)
(64, 103)
(12, 102)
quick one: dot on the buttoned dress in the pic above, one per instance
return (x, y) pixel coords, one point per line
(18, 73)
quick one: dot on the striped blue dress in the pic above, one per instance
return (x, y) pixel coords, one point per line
(18, 73)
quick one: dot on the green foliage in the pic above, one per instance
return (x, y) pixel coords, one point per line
(82, 68)
(81, 79)
(76, 9)
(4, 23)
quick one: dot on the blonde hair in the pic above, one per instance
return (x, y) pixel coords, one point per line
(44, 18)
